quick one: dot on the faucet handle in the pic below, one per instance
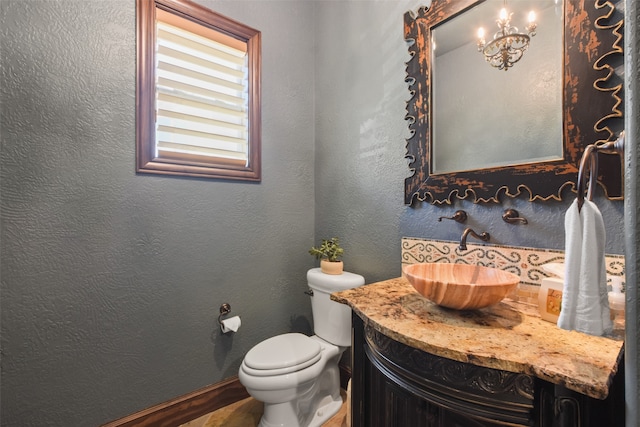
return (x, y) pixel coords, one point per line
(458, 216)
(512, 216)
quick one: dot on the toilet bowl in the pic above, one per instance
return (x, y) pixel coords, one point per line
(296, 376)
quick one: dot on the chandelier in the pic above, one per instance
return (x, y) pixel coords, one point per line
(508, 45)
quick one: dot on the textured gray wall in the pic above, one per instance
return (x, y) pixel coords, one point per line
(632, 207)
(111, 281)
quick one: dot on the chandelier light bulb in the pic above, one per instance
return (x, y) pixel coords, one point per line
(508, 44)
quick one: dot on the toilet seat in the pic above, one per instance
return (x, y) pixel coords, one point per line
(281, 355)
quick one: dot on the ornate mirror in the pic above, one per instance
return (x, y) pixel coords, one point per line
(463, 146)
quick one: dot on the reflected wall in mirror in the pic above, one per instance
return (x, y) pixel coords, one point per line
(485, 117)
(478, 132)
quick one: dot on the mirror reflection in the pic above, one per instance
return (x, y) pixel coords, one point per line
(484, 117)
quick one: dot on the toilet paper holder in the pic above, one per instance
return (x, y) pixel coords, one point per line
(224, 310)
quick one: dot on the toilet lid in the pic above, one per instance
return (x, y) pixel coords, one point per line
(283, 354)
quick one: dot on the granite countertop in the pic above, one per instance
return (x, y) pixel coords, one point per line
(509, 336)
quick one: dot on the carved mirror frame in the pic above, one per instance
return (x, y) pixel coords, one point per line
(590, 104)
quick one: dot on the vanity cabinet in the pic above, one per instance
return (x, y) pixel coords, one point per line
(394, 384)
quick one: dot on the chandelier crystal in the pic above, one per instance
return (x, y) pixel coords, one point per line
(508, 45)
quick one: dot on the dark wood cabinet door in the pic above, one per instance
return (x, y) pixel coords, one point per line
(389, 405)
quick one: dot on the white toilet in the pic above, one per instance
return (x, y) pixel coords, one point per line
(297, 376)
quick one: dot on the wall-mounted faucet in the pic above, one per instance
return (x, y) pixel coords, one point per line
(463, 240)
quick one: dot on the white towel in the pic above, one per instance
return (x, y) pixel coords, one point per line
(585, 306)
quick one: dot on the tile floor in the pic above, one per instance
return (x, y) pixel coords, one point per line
(247, 413)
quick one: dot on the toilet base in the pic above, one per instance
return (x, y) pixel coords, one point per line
(286, 415)
(325, 412)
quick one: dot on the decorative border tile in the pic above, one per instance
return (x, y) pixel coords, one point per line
(523, 261)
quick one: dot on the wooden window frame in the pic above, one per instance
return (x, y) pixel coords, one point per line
(146, 160)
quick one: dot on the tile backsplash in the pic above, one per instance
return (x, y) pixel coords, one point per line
(523, 261)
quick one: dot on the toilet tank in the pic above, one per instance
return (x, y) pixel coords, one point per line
(331, 320)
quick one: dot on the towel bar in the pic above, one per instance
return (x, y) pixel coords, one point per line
(590, 159)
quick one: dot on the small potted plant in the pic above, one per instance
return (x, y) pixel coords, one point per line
(329, 254)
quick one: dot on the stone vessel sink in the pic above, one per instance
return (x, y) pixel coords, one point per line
(460, 286)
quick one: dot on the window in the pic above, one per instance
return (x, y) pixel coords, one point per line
(198, 92)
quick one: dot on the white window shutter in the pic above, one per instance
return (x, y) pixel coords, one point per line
(201, 98)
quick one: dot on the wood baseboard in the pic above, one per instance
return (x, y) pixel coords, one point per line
(196, 404)
(186, 408)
